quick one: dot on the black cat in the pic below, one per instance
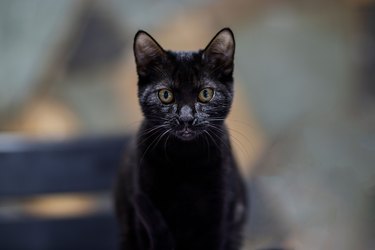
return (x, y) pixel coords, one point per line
(180, 187)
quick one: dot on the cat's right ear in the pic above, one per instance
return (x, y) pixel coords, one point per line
(219, 53)
(146, 51)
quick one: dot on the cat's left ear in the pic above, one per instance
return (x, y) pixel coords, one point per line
(146, 51)
(220, 51)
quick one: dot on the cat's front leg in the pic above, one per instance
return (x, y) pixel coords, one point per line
(153, 223)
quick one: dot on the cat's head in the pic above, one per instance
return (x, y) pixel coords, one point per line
(186, 94)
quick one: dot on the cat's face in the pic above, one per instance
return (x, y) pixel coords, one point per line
(185, 94)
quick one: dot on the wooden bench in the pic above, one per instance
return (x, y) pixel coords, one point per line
(35, 168)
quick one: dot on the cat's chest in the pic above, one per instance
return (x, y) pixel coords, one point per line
(184, 185)
(188, 199)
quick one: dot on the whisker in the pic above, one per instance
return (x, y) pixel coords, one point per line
(221, 132)
(213, 140)
(157, 130)
(147, 131)
(245, 136)
(248, 140)
(160, 137)
(208, 145)
(148, 147)
(165, 147)
(241, 147)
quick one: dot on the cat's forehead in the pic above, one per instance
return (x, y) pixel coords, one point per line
(184, 69)
(185, 57)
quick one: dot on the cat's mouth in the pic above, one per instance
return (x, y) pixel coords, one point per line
(186, 134)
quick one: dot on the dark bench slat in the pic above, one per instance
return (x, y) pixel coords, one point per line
(95, 233)
(81, 165)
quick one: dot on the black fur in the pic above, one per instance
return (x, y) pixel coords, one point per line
(180, 187)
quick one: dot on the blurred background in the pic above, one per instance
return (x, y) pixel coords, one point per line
(302, 124)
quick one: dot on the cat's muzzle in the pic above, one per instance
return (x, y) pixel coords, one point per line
(186, 134)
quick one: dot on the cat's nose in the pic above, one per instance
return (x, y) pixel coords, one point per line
(186, 115)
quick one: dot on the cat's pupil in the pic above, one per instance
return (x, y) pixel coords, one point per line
(166, 94)
(205, 93)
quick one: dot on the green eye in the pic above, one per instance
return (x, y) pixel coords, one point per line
(166, 96)
(206, 95)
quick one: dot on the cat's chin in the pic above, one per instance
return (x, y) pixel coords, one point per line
(186, 135)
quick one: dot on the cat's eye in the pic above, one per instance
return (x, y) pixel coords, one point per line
(205, 95)
(166, 96)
